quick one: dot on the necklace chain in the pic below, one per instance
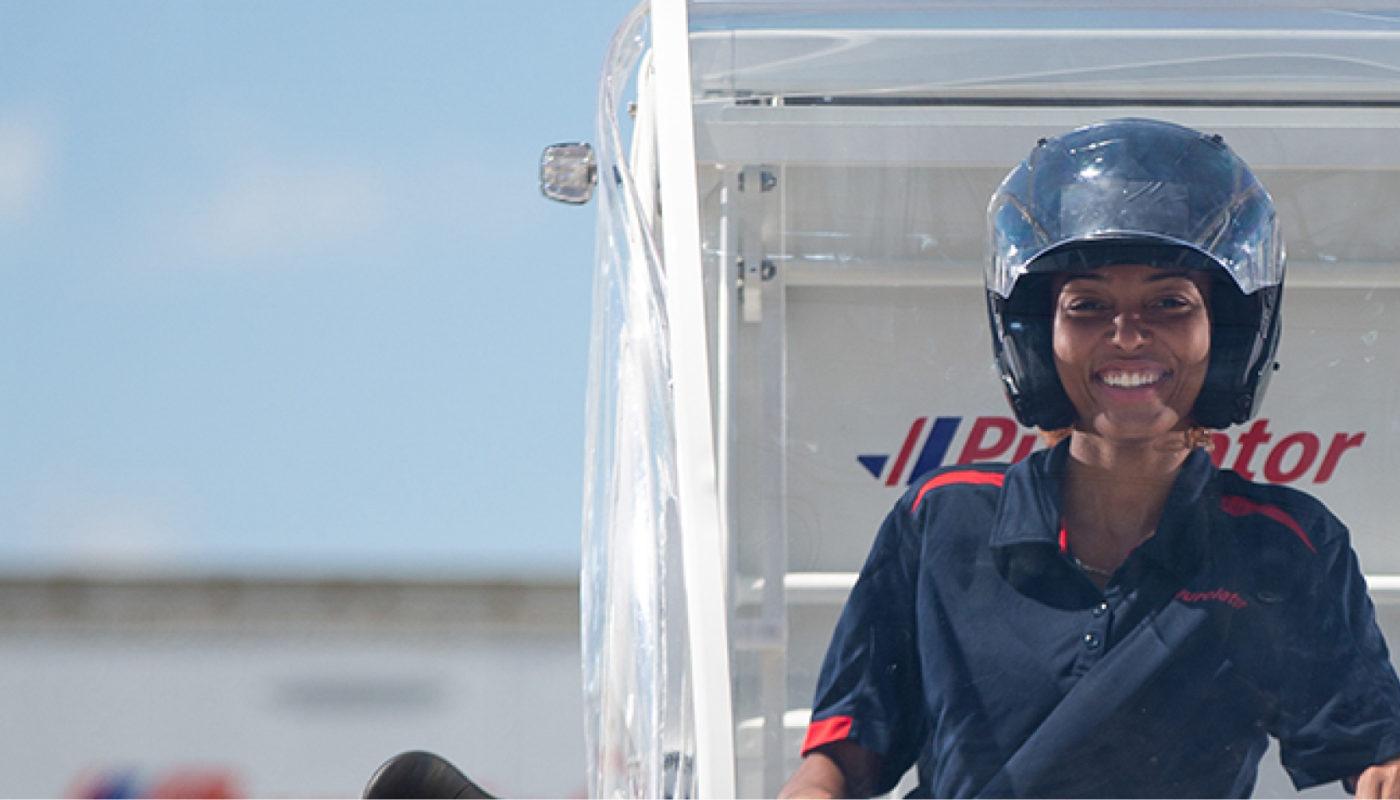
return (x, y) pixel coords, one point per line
(1092, 570)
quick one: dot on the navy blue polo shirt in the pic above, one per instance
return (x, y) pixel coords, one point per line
(974, 645)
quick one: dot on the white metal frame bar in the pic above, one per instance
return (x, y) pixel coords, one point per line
(702, 551)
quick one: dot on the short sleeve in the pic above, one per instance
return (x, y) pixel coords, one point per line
(1340, 702)
(869, 688)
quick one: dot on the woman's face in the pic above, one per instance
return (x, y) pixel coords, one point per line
(1132, 343)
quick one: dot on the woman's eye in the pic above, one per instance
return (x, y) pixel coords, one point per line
(1172, 303)
(1084, 305)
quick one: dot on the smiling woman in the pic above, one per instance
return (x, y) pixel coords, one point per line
(1133, 289)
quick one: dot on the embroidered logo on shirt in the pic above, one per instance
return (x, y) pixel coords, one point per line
(1221, 595)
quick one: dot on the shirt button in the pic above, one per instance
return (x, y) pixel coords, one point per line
(1092, 641)
(1100, 609)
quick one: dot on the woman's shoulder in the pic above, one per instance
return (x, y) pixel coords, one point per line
(1283, 509)
(964, 480)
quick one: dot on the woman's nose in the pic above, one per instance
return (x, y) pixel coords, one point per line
(1129, 332)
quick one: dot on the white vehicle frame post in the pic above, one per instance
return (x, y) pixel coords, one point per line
(702, 541)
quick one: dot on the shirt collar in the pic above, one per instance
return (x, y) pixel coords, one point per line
(1029, 511)
(1180, 541)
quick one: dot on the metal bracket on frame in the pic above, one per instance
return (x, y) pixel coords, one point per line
(755, 267)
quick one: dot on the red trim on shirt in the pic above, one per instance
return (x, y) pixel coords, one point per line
(1237, 506)
(826, 731)
(966, 476)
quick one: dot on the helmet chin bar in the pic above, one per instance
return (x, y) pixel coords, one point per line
(1025, 358)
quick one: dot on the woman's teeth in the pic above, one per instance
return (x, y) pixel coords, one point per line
(1130, 380)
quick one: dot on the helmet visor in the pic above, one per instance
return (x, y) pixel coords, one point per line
(1139, 182)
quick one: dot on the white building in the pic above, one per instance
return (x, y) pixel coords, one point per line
(284, 687)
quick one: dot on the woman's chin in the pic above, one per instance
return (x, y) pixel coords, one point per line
(1137, 427)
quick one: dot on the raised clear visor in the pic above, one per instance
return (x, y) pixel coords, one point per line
(846, 158)
(1135, 180)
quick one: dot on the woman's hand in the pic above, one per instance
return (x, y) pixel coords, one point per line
(1380, 780)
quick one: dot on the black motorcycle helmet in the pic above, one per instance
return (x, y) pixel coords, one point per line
(1136, 191)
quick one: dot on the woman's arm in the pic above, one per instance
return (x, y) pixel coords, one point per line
(839, 769)
(1379, 781)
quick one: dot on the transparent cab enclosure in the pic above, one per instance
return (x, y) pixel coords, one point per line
(845, 154)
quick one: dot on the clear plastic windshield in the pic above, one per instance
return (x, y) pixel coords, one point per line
(635, 688)
(846, 155)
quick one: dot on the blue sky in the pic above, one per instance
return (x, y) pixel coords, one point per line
(280, 292)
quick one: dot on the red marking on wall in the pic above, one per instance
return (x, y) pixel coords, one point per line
(909, 442)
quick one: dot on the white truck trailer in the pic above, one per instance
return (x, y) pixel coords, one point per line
(790, 320)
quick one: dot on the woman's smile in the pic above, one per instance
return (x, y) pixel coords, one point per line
(1132, 376)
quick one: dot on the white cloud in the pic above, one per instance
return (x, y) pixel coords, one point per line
(120, 534)
(267, 209)
(24, 165)
(76, 526)
(479, 198)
